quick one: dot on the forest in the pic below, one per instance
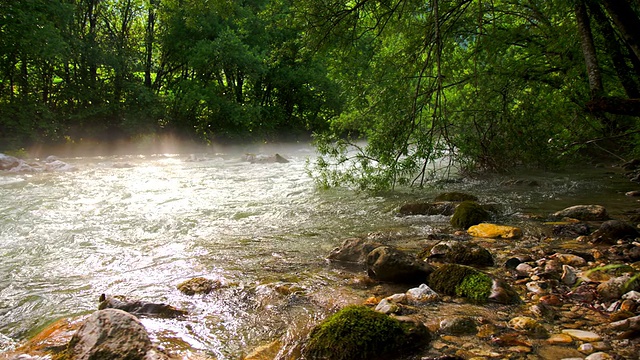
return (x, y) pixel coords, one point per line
(490, 85)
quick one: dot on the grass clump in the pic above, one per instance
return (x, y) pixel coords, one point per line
(358, 333)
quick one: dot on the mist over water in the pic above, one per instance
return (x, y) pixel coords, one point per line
(137, 225)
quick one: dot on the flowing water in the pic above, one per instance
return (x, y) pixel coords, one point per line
(139, 225)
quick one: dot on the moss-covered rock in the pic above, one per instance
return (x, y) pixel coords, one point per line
(198, 285)
(421, 208)
(455, 196)
(467, 282)
(359, 333)
(457, 252)
(467, 214)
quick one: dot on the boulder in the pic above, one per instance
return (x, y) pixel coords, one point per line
(613, 230)
(386, 263)
(467, 214)
(8, 162)
(459, 325)
(455, 196)
(198, 285)
(486, 230)
(138, 307)
(358, 333)
(109, 334)
(570, 230)
(584, 213)
(472, 284)
(435, 208)
(466, 253)
(353, 250)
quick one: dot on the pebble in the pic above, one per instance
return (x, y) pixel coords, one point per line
(586, 348)
(569, 276)
(599, 356)
(570, 259)
(559, 339)
(582, 335)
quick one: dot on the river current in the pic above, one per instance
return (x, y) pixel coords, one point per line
(138, 225)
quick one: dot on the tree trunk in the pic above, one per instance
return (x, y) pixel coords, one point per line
(626, 21)
(589, 51)
(149, 40)
(614, 48)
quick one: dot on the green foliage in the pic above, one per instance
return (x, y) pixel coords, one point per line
(467, 214)
(357, 332)
(476, 287)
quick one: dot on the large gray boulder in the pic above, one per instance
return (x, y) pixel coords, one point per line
(386, 263)
(110, 334)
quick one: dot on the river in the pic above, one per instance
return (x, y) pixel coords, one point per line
(137, 225)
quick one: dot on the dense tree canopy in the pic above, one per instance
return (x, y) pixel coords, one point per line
(487, 84)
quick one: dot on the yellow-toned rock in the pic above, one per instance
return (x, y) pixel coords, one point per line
(486, 230)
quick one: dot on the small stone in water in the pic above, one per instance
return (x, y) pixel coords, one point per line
(560, 339)
(599, 356)
(586, 348)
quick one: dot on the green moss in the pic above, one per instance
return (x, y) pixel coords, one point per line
(357, 332)
(476, 287)
(459, 280)
(467, 214)
(455, 196)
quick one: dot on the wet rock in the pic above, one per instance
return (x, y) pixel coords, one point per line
(421, 295)
(387, 307)
(616, 287)
(613, 230)
(459, 325)
(265, 352)
(8, 162)
(435, 208)
(632, 323)
(138, 307)
(632, 295)
(582, 335)
(389, 264)
(467, 214)
(58, 165)
(456, 197)
(585, 293)
(357, 332)
(599, 356)
(569, 275)
(353, 250)
(560, 339)
(524, 269)
(198, 285)
(529, 326)
(584, 213)
(569, 259)
(467, 282)
(110, 334)
(558, 352)
(466, 253)
(485, 230)
(634, 193)
(571, 230)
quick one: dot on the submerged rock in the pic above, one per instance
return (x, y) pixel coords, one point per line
(529, 326)
(265, 159)
(389, 264)
(138, 307)
(486, 230)
(353, 250)
(359, 333)
(583, 213)
(467, 214)
(198, 285)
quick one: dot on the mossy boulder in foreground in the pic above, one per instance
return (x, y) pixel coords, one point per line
(359, 333)
(472, 284)
(467, 214)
